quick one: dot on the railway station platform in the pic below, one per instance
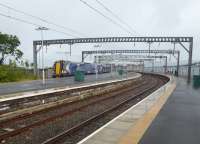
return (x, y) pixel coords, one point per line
(105, 78)
(179, 120)
(21, 88)
(170, 115)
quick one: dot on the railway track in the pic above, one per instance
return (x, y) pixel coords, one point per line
(64, 120)
(75, 133)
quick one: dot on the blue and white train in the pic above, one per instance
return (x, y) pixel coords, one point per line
(63, 68)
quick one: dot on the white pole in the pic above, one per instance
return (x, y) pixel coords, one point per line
(43, 73)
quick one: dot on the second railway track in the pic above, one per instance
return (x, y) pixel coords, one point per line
(69, 123)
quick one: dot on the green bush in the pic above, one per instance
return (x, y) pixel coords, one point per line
(12, 74)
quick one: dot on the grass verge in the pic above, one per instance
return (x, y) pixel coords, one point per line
(13, 74)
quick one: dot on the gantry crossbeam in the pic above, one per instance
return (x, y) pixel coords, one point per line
(114, 39)
(128, 51)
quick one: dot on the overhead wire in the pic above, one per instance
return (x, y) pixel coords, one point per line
(41, 19)
(116, 16)
(108, 18)
(33, 24)
(20, 20)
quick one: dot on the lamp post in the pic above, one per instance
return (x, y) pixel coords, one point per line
(96, 63)
(41, 29)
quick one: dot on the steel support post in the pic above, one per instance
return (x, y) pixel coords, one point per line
(35, 60)
(178, 63)
(165, 65)
(82, 57)
(70, 49)
(198, 65)
(152, 66)
(142, 64)
(149, 48)
(190, 61)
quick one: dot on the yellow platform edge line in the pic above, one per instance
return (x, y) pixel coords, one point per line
(134, 134)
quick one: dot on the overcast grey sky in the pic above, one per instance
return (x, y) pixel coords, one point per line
(147, 17)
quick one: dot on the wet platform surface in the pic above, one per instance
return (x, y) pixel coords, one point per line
(178, 122)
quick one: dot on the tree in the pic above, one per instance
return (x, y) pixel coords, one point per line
(9, 47)
(32, 65)
(22, 63)
(12, 63)
(27, 64)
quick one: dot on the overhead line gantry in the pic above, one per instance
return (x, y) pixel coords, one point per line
(129, 58)
(174, 40)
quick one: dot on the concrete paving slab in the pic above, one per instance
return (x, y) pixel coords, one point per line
(128, 118)
(120, 125)
(93, 141)
(109, 135)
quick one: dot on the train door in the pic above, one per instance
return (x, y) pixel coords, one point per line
(58, 70)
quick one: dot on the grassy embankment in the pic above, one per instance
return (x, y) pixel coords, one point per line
(14, 74)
